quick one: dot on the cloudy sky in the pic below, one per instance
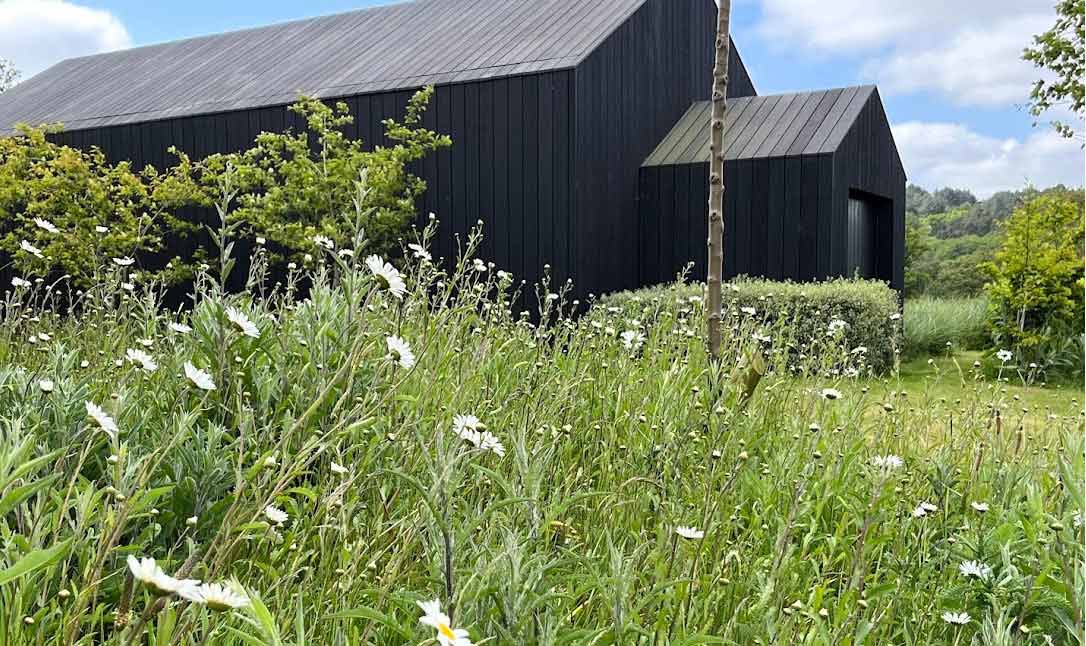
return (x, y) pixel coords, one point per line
(950, 71)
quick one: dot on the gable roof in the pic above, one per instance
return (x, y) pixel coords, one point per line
(777, 125)
(397, 46)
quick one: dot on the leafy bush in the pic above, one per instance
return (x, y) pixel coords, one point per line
(1036, 282)
(66, 211)
(320, 455)
(294, 187)
(869, 310)
(931, 324)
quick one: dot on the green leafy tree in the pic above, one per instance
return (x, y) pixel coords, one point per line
(8, 74)
(291, 187)
(1036, 283)
(918, 242)
(1061, 51)
(66, 211)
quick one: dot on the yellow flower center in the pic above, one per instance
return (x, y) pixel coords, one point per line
(446, 631)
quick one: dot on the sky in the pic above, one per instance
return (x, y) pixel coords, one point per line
(949, 71)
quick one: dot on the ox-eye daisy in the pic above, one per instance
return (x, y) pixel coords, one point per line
(198, 377)
(147, 572)
(388, 277)
(439, 621)
(102, 420)
(242, 322)
(142, 358)
(691, 533)
(400, 352)
(957, 618)
(216, 596)
(46, 224)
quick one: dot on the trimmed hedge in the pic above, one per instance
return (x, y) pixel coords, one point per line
(869, 308)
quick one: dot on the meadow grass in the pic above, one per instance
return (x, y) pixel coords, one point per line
(586, 480)
(932, 323)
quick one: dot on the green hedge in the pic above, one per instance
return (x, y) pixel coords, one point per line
(869, 308)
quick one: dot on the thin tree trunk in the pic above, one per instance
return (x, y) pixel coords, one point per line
(716, 176)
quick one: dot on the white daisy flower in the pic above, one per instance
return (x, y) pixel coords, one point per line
(323, 241)
(860, 349)
(338, 469)
(275, 515)
(387, 276)
(887, 463)
(47, 225)
(478, 265)
(1005, 355)
(400, 352)
(199, 378)
(147, 572)
(126, 261)
(346, 253)
(689, 533)
(750, 311)
(439, 621)
(101, 229)
(420, 252)
(46, 385)
(975, 569)
(979, 507)
(895, 316)
(632, 339)
(467, 428)
(104, 421)
(142, 358)
(242, 322)
(836, 326)
(216, 596)
(923, 509)
(20, 282)
(180, 328)
(957, 618)
(30, 249)
(489, 442)
(831, 394)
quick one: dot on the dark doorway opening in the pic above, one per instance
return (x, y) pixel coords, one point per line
(870, 236)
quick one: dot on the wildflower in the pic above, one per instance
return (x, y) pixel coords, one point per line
(323, 241)
(20, 282)
(45, 385)
(216, 596)
(1076, 520)
(338, 469)
(275, 515)
(975, 569)
(101, 229)
(489, 442)
(142, 358)
(180, 328)
(761, 338)
(923, 509)
(242, 322)
(420, 252)
(346, 253)
(47, 225)
(958, 618)
(261, 240)
(439, 621)
(1005, 355)
(30, 249)
(896, 316)
(400, 352)
(104, 421)
(979, 507)
(690, 533)
(192, 520)
(836, 326)
(632, 339)
(749, 311)
(467, 428)
(147, 572)
(124, 262)
(478, 265)
(887, 463)
(831, 394)
(198, 377)
(387, 276)
(860, 349)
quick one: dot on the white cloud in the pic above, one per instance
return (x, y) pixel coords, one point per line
(969, 52)
(35, 34)
(951, 154)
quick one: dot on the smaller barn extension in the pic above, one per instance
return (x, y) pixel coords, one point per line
(814, 189)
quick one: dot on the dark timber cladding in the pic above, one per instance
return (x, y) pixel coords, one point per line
(793, 162)
(551, 105)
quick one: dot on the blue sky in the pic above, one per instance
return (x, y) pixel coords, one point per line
(949, 71)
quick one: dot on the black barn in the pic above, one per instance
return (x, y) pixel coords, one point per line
(552, 105)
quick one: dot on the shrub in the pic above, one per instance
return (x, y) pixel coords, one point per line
(292, 187)
(869, 310)
(1035, 291)
(65, 211)
(931, 323)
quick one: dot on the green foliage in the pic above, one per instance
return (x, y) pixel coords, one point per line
(8, 75)
(936, 326)
(1036, 280)
(568, 536)
(920, 201)
(1061, 51)
(869, 309)
(99, 210)
(291, 187)
(918, 242)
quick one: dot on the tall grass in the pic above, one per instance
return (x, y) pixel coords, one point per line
(932, 323)
(614, 432)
